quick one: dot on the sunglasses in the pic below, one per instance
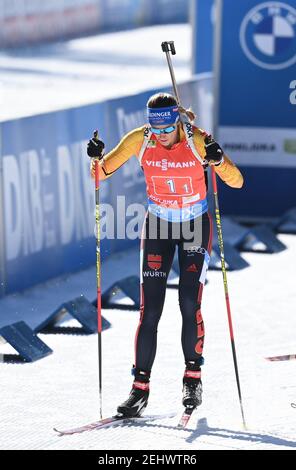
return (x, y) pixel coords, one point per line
(166, 130)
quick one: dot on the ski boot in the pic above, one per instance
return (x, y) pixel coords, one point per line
(137, 401)
(192, 385)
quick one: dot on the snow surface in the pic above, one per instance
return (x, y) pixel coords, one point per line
(61, 390)
(81, 71)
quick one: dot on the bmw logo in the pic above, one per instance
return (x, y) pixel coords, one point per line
(268, 35)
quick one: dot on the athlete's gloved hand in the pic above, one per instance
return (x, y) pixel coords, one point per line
(214, 153)
(95, 147)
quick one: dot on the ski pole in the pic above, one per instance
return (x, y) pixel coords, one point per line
(168, 47)
(225, 283)
(98, 269)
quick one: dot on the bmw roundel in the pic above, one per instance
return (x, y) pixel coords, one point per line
(268, 35)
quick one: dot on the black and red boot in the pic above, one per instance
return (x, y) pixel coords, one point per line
(192, 385)
(138, 399)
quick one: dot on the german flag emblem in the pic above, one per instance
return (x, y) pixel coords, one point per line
(154, 261)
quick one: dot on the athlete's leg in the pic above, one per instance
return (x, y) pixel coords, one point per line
(193, 261)
(157, 255)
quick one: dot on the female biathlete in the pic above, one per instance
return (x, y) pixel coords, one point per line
(174, 155)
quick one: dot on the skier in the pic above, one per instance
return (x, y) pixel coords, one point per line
(170, 151)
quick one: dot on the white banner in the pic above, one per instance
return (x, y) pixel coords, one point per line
(253, 146)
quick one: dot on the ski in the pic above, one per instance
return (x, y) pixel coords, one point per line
(111, 421)
(287, 357)
(293, 405)
(185, 417)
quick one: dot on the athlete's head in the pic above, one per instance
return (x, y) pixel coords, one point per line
(163, 116)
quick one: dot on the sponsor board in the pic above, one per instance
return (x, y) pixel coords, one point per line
(254, 112)
(259, 146)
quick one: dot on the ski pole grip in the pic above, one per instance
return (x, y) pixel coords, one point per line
(168, 46)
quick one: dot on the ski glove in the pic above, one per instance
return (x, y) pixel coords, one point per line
(95, 147)
(214, 153)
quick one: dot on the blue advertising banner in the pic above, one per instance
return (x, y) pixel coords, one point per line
(117, 13)
(47, 196)
(202, 20)
(164, 11)
(255, 114)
